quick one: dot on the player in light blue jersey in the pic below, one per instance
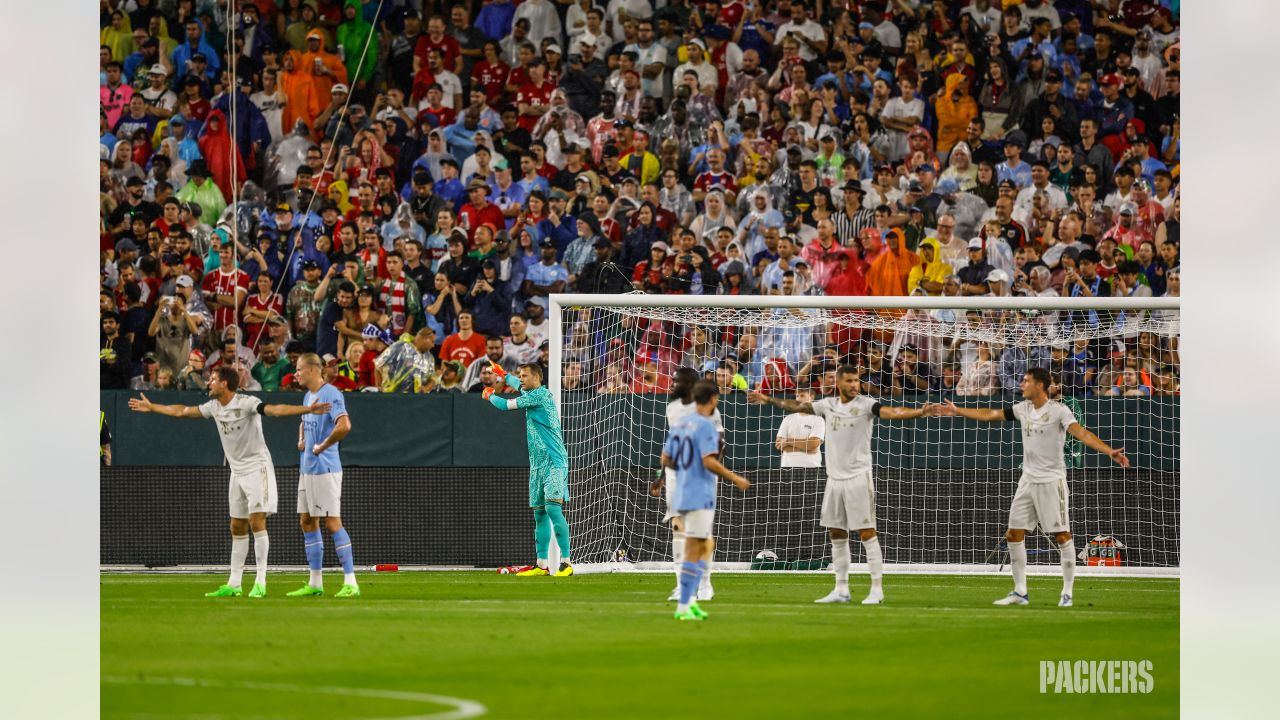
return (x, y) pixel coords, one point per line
(692, 450)
(548, 463)
(320, 479)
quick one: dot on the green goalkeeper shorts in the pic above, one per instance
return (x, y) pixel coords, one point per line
(548, 484)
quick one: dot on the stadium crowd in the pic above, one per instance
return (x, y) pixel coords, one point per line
(398, 185)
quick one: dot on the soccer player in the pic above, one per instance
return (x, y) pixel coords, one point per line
(849, 498)
(1041, 498)
(548, 463)
(692, 449)
(320, 479)
(681, 407)
(252, 494)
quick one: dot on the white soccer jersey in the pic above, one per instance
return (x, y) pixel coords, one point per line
(1044, 432)
(848, 435)
(677, 411)
(240, 429)
(802, 426)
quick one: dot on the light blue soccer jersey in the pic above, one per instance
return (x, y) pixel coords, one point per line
(691, 439)
(542, 422)
(315, 428)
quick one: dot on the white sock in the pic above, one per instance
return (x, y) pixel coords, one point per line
(875, 560)
(260, 546)
(840, 563)
(317, 579)
(677, 552)
(705, 582)
(239, 551)
(542, 563)
(349, 578)
(1018, 562)
(1068, 551)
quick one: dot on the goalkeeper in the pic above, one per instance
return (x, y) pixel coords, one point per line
(548, 463)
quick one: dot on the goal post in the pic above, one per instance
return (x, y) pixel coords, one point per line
(943, 485)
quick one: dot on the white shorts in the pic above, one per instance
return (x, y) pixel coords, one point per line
(1042, 504)
(669, 490)
(698, 524)
(320, 495)
(252, 492)
(849, 504)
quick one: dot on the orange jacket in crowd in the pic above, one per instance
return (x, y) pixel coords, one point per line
(323, 83)
(299, 85)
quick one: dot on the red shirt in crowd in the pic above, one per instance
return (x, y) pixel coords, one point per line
(464, 351)
(533, 95)
(224, 283)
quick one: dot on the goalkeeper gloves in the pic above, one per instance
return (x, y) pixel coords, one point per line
(487, 392)
(498, 372)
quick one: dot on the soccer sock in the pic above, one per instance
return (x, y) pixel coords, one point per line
(875, 560)
(677, 552)
(1018, 563)
(239, 551)
(689, 574)
(1068, 550)
(704, 582)
(560, 527)
(260, 546)
(313, 543)
(542, 534)
(342, 546)
(840, 563)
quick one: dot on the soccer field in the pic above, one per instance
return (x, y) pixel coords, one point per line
(477, 644)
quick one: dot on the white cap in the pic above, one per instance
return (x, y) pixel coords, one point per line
(997, 275)
(159, 69)
(184, 281)
(555, 49)
(339, 88)
(975, 243)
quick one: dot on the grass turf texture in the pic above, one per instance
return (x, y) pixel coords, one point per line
(597, 646)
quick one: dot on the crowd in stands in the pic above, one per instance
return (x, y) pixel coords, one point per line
(398, 185)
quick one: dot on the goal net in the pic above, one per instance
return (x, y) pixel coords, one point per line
(943, 484)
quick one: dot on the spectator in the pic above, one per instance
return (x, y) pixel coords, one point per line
(465, 345)
(271, 367)
(192, 375)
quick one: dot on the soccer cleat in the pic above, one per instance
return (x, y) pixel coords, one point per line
(225, 591)
(835, 596)
(565, 570)
(693, 608)
(305, 591)
(675, 595)
(259, 590)
(533, 572)
(1065, 600)
(706, 592)
(689, 615)
(348, 591)
(875, 597)
(1013, 598)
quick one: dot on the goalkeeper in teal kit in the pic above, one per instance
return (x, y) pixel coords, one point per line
(548, 463)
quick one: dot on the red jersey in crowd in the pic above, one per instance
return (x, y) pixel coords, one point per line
(533, 95)
(464, 351)
(224, 283)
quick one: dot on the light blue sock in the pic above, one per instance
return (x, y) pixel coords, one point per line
(314, 545)
(560, 527)
(541, 532)
(689, 577)
(342, 546)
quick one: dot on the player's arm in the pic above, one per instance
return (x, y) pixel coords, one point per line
(790, 406)
(889, 412)
(340, 430)
(301, 445)
(712, 462)
(1086, 436)
(142, 404)
(949, 408)
(293, 410)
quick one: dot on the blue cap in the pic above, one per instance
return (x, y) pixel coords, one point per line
(372, 331)
(867, 25)
(947, 186)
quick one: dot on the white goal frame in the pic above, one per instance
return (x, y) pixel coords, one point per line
(555, 315)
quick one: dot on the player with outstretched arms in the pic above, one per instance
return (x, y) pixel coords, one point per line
(681, 407)
(252, 493)
(1041, 498)
(320, 480)
(548, 463)
(692, 450)
(849, 498)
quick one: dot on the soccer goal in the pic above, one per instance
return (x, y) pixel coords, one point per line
(943, 484)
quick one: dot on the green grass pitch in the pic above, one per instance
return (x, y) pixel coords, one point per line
(477, 644)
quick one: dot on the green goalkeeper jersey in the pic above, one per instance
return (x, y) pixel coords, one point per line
(542, 421)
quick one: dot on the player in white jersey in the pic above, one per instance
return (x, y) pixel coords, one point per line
(1041, 498)
(849, 498)
(252, 493)
(681, 407)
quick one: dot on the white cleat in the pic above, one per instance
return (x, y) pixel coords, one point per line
(876, 597)
(706, 592)
(835, 596)
(1013, 598)
(1065, 600)
(675, 595)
